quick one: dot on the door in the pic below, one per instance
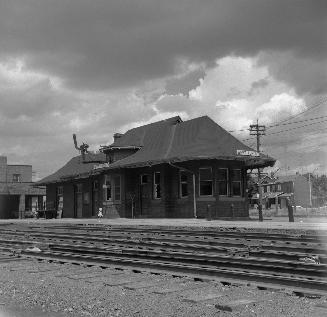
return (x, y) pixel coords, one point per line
(145, 195)
(95, 198)
(78, 201)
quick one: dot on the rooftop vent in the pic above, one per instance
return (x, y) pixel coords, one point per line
(117, 136)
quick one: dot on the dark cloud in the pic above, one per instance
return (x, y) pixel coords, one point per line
(109, 44)
(307, 76)
(182, 85)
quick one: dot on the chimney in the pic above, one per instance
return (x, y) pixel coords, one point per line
(3, 168)
(117, 136)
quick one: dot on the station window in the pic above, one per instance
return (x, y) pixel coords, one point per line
(112, 188)
(236, 182)
(222, 178)
(79, 188)
(95, 185)
(60, 190)
(60, 197)
(117, 187)
(156, 185)
(183, 188)
(205, 174)
(107, 188)
(144, 179)
(279, 187)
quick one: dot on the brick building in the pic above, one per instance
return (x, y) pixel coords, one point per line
(167, 169)
(17, 193)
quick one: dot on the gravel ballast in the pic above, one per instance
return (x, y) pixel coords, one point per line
(34, 288)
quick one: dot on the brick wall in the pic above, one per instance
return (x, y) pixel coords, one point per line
(171, 205)
(25, 172)
(7, 171)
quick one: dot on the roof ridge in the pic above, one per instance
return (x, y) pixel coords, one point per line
(156, 122)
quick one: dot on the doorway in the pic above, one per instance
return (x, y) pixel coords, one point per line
(78, 201)
(145, 195)
(95, 198)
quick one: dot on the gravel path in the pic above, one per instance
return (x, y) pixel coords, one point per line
(34, 289)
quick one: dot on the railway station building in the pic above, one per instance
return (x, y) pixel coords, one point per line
(169, 169)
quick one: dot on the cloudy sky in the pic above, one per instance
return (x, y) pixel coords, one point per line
(98, 67)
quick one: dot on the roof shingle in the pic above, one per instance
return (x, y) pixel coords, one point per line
(75, 168)
(168, 141)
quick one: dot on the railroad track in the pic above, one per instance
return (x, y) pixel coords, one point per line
(254, 257)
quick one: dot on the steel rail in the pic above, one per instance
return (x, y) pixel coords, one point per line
(307, 283)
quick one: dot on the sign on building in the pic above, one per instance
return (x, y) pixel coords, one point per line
(247, 153)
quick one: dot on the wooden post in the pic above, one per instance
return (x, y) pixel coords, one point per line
(260, 203)
(21, 206)
(290, 210)
(208, 213)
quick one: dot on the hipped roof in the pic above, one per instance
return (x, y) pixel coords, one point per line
(75, 168)
(171, 141)
(166, 141)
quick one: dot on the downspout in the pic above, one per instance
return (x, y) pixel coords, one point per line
(193, 174)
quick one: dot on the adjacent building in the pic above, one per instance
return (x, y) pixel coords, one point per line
(170, 168)
(18, 196)
(294, 187)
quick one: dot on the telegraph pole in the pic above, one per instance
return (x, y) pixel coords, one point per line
(258, 131)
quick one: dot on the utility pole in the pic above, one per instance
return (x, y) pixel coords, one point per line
(258, 131)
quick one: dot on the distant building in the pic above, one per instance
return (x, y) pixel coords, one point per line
(17, 193)
(295, 187)
(169, 168)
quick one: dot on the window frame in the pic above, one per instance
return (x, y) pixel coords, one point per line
(156, 185)
(212, 189)
(60, 190)
(240, 182)
(115, 187)
(141, 179)
(79, 188)
(60, 197)
(181, 183)
(107, 183)
(16, 178)
(95, 186)
(110, 183)
(227, 182)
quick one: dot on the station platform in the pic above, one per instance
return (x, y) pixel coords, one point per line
(275, 223)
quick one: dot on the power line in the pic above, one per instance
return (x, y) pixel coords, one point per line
(273, 133)
(302, 126)
(310, 119)
(280, 124)
(304, 111)
(290, 118)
